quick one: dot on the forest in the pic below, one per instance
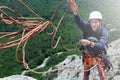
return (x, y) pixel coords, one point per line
(38, 46)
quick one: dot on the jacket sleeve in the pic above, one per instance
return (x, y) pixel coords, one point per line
(81, 23)
(102, 41)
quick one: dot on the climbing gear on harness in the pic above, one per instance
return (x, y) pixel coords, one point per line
(89, 60)
(106, 60)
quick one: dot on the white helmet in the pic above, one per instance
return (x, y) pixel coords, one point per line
(95, 15)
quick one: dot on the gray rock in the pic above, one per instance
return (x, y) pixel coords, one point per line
(17, 77)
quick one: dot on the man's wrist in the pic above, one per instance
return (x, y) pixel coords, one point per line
(90, 43)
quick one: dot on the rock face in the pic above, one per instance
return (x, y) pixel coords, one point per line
(17, 77)
(74, 63)
(114, 52)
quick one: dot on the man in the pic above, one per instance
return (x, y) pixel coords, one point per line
(95, 38)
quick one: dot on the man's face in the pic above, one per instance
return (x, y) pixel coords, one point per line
(95, 24)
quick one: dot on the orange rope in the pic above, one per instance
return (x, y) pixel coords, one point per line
(32, 29)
